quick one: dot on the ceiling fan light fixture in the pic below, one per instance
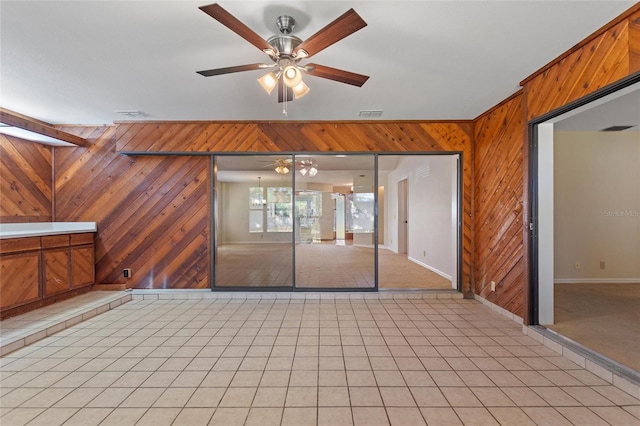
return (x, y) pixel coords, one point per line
(313, 171)
(268, 82)
(282, 169)
(300, 90)
(303, 171)
(291, 76)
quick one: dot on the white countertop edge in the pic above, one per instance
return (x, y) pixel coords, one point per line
(38, 229)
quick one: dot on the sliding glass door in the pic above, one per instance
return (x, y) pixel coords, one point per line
(253, 222)
(335, 221)
(339, 222)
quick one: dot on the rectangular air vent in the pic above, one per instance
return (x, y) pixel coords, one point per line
(615, 128)
(370, 113)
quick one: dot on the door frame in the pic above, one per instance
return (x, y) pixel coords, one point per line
(532, 237)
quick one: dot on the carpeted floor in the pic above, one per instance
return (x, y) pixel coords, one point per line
(319, 266)
(603, 317)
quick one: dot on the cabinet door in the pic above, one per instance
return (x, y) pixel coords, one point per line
(56, 271)
(82, 266)
(20, 279)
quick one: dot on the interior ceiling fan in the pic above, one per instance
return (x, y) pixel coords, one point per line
(283, 166)
(286, 51)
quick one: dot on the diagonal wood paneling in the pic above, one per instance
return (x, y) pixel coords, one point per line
(634, 43)
(152, 212)
(386, 136)
(602, 61)
(498, 197)
(25, 181)
(20, 284)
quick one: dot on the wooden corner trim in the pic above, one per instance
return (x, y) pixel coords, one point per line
(15, 119)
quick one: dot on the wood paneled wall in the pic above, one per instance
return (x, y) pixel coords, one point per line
(502, 153)
(498, 207)
(411, 136)
(26, 190)
(152, 212)
(605, 57)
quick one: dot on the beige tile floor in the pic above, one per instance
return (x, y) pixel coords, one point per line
(302, 362)
(324, 265)
(29, 327)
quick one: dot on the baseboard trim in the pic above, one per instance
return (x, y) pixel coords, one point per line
(597, 281)
(431, 268)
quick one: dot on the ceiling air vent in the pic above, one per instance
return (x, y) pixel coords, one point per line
(370, 113)
(615, 128)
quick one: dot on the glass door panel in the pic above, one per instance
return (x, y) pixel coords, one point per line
(418, 226)
(334, 207)
(253, 221)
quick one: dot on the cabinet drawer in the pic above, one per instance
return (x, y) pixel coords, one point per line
(53, 241)
(16, 245)
(80, 239)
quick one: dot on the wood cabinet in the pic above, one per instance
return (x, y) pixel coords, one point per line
(34, 269)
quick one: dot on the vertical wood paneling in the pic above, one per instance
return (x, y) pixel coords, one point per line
(498, 198)
(388, 136)
(600, 62)
(25, 181)
(152, 212)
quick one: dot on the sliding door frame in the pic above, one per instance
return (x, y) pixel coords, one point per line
(294, 288)
(533, 285)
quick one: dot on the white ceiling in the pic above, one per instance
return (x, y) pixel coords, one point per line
(80, 61)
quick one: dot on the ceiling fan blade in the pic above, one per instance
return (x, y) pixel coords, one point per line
(228, 70)
(336, 74)
(228, 20)
(347, 24)
(282, 88)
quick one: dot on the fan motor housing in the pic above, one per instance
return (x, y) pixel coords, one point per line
(284, 45)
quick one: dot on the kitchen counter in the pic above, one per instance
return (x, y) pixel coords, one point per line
(43, 262)
(38, 229)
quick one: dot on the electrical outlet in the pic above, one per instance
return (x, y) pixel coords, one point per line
(602, 264)
(493, 286)
(127, 272)
(576, 265)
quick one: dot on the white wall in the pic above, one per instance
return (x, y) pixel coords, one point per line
(431, 197)
(597, 206)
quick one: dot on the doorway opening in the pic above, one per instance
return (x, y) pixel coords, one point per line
(585, 210)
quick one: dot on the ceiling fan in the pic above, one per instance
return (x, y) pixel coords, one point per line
(282, 166)
(286, 51)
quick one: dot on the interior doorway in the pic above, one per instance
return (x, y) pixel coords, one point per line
(585, 205)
